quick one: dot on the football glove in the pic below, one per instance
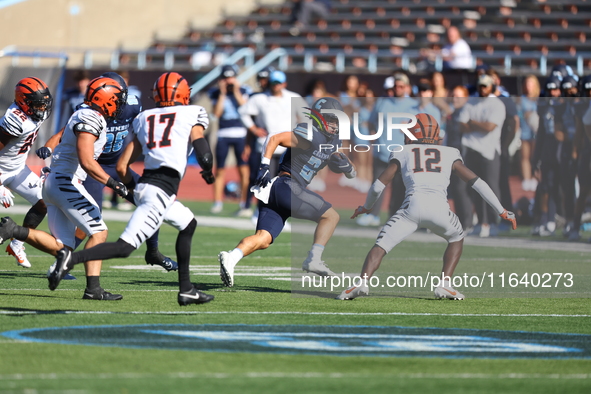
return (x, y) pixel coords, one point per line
(118, 187)
(339, 163)
(6, 197)
(43, 152)
(43, 176)
(208, 176)
(510, 217)
(264, 176)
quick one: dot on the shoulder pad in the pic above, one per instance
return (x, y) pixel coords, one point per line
(12, 123)
(83, 127)
(301, 130)
(92, 121)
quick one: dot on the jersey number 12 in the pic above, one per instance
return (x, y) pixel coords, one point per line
(433, 157)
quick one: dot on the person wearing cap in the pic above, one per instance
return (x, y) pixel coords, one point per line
(567, 161)
(226, 98)
(545, 161)
(397, 100)
(481, 125)
(582, 153)
(275, 112)
(263, 78)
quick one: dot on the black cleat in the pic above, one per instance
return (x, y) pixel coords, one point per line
(62, 267)
(101, 295)
(7, 226)
(157, 258)
(193, 297)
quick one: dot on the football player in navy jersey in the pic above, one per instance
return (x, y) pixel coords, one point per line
(288, 194)
(117, 138)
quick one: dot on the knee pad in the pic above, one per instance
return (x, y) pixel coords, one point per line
(190, 229)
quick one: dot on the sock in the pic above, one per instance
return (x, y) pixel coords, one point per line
(77, 242)
(20, 233)
(152, 242)
(183, 252)
(236, 255)
(316, 252)
(446, 283)
(93, 282)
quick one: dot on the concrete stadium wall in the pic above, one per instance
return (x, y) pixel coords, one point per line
(109, 24)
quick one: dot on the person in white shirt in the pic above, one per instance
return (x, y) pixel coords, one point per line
(426, 168)
(481, 122)
(277, 110)
(457, 55)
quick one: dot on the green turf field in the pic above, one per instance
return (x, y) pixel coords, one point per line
(126, 361)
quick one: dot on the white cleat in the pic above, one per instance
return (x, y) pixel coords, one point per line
(226, 268)
(448, 292)
(353, 292)
(317, 267)
(17, 249)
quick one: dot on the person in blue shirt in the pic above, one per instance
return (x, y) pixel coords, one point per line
(226, 98)
(73, 97)
(118, 136)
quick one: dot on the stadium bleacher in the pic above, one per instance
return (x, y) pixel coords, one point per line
(524, 30)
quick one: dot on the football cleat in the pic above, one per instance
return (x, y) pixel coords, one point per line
(448, 292)
(157, 258)
(317, 267)
(226, 268)
(7, 227)
(101, 295)
(62, 267)
(353, 292)
(17, 249)
(194, 297)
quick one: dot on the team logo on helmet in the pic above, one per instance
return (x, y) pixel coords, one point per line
(33, 98)
(106, 96)
(426, 130)
(171, 89)
(327, 124)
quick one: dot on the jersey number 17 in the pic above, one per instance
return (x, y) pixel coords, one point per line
(167, 119)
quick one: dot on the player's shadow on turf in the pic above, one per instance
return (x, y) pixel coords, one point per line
(158, 283)
(24, 295)
(13, 275)
(256, 289)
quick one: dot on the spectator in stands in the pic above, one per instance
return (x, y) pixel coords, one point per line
(481, 125)
(568, 164)
(582, 152)
(303, 11)
(226, 99)
(72, 98)
(348, 99)
(363, 160)
(545, 159)
(457, 54)
(263, 78)
(276, 110)
(527, 110)
(458, 191)
(396, 88)
(508, 131)
(426, 105)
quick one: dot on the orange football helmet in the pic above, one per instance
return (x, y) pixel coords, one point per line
(171, 89)
(106, 96)
(33, 98)
(426, 130)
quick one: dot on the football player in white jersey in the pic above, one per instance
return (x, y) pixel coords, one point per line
(165, 135)
(18, 130)
(69, 205)
(425, 167)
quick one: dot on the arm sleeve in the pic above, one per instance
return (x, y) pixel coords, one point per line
(488, 195)
(375, 191)
(202, 118)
